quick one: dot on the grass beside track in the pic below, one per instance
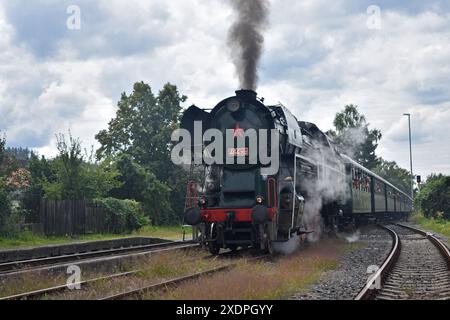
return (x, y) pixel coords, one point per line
(155, 268)
(279, 278)
(27, 239)
(435, 225)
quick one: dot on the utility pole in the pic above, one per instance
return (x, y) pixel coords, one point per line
(410, 154)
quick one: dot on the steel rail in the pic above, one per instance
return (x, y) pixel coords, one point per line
(15, 265)
(442, 247)
(63, 262)
(61, 288)
(368, 291)
(165, 284)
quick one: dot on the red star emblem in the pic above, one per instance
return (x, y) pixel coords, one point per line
(238, 132)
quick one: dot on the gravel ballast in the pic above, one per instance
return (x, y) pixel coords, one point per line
(345, 282)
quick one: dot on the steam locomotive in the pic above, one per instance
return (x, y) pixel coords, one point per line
(248, 203)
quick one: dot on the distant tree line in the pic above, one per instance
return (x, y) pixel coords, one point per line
(19, 153)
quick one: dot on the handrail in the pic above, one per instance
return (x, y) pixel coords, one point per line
(191, 201)
(274, 204)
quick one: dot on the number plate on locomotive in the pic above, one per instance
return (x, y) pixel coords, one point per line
(238, 152)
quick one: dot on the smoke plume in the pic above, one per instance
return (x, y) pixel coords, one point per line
(246, 39)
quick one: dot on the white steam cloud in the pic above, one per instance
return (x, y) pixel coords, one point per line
(328, 187)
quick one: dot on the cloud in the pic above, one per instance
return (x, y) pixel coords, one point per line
(329, 58)
(108, 27)
(430, 137)
(41, 98)
(75, 82)
(319, 56)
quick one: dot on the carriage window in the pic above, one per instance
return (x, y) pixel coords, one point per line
(354, 180)
(379, 188)
(360, 180)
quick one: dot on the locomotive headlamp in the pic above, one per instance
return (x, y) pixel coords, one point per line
(259, 200)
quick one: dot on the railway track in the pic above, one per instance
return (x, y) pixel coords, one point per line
(139, 292)
(36, 294)
(52, 291)
(20, 266)
(418, 267)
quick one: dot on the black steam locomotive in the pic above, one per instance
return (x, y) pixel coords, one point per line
(246, 203)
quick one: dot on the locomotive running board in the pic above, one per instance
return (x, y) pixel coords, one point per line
(300, 233)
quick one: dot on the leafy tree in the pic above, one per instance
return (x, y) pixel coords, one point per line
(2, 149)
(434, 197)
(399, 177)
(354, 138)
(99, 179)
(142, 185)
(142, 130)
(41, 169)
(143, 126)
(19, 180)
(8, 164)
(5, 206)
(68, 167)
(41, 172)
(73, 174)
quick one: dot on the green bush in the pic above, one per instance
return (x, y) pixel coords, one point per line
(13, 225)
(123, 215)
(434, 198)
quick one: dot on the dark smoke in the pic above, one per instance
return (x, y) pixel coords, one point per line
(246, 39)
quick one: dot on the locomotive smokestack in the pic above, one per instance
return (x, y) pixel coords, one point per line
(246, 94)
(246, 39)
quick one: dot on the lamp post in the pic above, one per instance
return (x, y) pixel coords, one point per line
(410, 154)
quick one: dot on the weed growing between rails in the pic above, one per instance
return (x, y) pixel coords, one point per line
(278, 279)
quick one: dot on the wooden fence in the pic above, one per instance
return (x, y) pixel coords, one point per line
(71, 217)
